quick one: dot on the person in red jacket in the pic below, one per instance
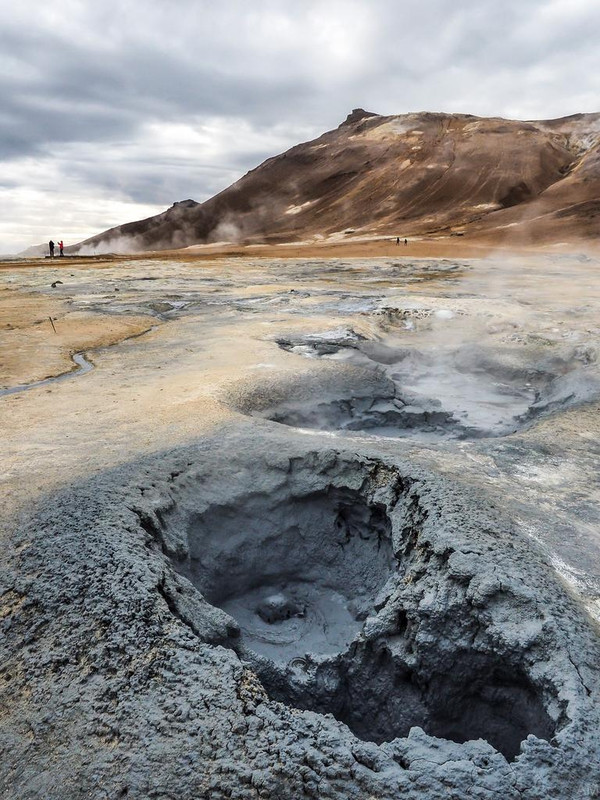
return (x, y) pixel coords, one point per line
(61, 247)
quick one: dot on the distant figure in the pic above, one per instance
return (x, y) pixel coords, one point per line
(397, 240)
(51, 246)
(405, 242)
(60, 248)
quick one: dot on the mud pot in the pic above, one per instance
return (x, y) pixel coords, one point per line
(467, 392)
(370, 608)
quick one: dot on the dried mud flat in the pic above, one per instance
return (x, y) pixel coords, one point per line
(301, 528)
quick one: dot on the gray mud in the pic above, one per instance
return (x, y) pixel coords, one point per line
(329, 554)
(464, 392)
(185, 633)
(275, 613)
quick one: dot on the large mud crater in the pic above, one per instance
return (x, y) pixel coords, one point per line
(345, 606)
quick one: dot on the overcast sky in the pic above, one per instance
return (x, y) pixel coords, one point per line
(112, 110)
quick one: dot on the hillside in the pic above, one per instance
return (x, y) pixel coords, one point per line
(405, 175)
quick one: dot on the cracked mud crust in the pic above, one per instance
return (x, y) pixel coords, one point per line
(470, 672)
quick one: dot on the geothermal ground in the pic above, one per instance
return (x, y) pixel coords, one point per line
(302, 527)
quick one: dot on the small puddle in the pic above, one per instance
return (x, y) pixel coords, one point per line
(79, 359)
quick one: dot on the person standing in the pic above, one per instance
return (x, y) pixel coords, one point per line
(60, 248)
(397, 240)
(51, 247)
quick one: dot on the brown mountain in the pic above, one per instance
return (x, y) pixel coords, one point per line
(404, 175)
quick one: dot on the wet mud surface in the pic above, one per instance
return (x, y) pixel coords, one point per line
(460, 392)
(327, 529)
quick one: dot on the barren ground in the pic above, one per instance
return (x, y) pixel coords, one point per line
(190, 344)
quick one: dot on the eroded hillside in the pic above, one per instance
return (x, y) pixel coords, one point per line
(405, 175)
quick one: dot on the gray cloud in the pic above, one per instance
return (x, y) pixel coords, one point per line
(150, 102)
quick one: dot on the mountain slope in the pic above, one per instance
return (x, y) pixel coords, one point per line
(399, 175)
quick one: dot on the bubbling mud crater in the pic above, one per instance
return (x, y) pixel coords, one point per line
(460, 392)
(349, 602)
